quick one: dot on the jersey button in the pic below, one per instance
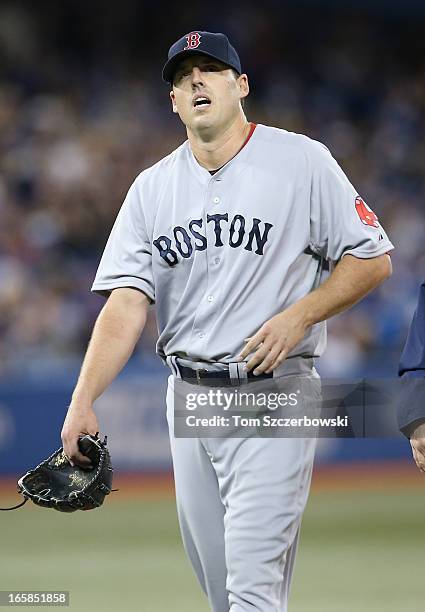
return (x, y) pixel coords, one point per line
(216, 200)
(201, 335)
(217, 260)
(210, 298)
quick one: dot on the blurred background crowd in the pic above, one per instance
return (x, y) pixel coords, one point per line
(83, 110)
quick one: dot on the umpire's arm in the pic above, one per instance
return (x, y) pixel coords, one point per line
(115, 333)
(411, 401)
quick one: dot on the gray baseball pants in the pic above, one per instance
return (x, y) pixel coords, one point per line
(240, 503)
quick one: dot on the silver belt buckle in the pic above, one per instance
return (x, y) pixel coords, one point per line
(198, 377)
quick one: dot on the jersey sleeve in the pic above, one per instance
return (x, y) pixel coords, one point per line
(411, 400)
(341, 223)
(127, 258)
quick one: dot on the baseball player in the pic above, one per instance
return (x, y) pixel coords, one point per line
(227, 236)
(411, 404)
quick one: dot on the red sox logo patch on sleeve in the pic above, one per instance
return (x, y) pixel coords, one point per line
(193, 41)
(366, 214)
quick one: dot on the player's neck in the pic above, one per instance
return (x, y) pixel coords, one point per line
(214, 150)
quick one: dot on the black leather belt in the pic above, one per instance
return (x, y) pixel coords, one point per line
(219, 378)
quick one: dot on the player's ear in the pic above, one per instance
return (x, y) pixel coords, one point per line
(243, 85)
(173, 101)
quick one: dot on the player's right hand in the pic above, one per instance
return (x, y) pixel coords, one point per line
(80, 420)
(417, 442)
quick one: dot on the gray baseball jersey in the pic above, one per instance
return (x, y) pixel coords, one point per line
(220, 254)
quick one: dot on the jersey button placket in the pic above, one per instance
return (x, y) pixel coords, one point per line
(215, 260)
(204, 311)
(214, 270)
(208, 305)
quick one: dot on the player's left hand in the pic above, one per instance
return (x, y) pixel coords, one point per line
(417, 442)
(274, 341)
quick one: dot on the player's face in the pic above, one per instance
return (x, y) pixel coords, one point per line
(206, 93)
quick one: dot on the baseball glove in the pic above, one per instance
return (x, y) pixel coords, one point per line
(54, 483)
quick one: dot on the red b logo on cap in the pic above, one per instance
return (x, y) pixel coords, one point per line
(193, 41)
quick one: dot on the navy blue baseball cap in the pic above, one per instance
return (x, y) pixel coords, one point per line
(214, 45)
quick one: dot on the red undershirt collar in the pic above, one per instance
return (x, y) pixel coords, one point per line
(250, 133)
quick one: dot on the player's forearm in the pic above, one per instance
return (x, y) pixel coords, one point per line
(350, 281)
(114, 337)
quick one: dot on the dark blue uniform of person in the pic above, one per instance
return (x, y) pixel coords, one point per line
(411, 407)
